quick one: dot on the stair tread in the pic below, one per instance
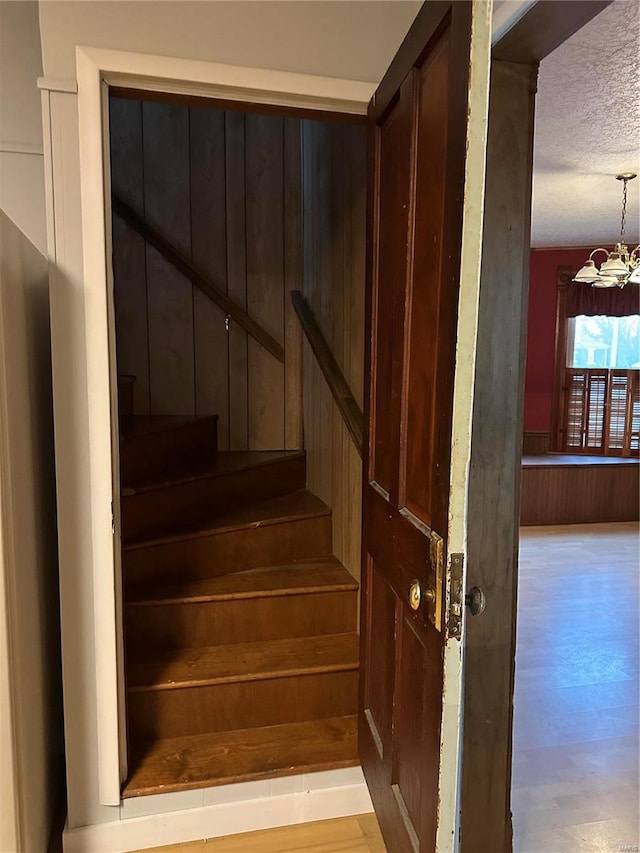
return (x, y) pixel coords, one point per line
(319, 574)
(225, 462)
(179, 668)
(200, 761)
(290, 507)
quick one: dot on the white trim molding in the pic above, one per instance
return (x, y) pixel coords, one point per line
(18, 148)
(225, 818)
(226, 82)
(54, 84)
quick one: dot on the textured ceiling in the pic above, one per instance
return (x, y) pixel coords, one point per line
(588, 129)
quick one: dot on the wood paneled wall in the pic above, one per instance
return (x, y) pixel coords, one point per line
(334, 193)
(225, 189)
(570, 490)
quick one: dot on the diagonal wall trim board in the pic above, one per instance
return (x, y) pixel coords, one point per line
(218, 820)
(52, 84)
(17, 148)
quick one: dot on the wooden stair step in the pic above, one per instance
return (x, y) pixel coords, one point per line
(206, 708)
(287, 658)
(154, 446)
(310, 597)
(305, 577)
(221, 758)
(284, 529)
(233, 479)
(290, 507)
(226, 462)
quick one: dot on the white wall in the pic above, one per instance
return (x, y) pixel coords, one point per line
(342, 39)
(353, 40)
(21, 156)
(29, 631)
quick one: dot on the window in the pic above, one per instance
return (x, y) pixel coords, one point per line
(597, 398)
(612, 342)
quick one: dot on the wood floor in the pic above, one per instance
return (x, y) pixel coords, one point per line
(575, 772)
(359, 834)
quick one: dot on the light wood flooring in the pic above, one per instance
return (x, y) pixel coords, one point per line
(575, 771)
(359, 834)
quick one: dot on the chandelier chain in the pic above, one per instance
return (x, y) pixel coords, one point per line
(624, 209)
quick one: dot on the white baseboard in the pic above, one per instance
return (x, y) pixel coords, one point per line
(223, 819)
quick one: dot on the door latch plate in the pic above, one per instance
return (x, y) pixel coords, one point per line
(436, 603)
(455, 597)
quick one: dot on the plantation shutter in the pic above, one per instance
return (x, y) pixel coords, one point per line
(596, 401)
(602, 412)
(576, 385)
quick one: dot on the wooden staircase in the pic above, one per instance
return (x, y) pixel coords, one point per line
(240, 624)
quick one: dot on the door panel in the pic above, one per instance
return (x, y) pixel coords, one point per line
(418, 149)
(394, 187)
(379, 690)
(425, 287)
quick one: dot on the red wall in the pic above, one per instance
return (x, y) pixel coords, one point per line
(538, 391)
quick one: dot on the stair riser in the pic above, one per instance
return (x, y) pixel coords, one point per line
(155, 512)
(233, 551)
(160, 453)
(212, 623)
(226, 707)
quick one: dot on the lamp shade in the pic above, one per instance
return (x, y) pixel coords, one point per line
(634, 278)
(606, 281)
(614, 266)
(588, 274)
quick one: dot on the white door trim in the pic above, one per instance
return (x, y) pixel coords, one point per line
(226, 82)
(96, 69)
(447, 838)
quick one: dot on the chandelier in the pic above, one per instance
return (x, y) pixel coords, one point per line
(621, 265)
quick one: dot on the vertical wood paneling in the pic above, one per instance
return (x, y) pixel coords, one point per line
(292, 281)
(209, 254)
(335, 324)
(237, 280)
(353, 331)
(225, 190)
(317, 281)
(264, 152)
(334, 186)
(130, 281)
(170, 294)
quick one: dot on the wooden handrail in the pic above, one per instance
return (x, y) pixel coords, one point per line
(345, 401)
(183, 265)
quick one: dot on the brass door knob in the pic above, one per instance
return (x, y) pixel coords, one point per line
(417, 593)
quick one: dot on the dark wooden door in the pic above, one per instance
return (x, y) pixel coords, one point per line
(419, 206)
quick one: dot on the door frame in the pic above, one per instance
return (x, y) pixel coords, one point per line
(97, 69)
(497, 430)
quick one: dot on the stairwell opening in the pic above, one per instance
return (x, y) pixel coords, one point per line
(240, 482)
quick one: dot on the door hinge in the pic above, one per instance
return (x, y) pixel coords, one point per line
(455, 599)
(113, 520)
